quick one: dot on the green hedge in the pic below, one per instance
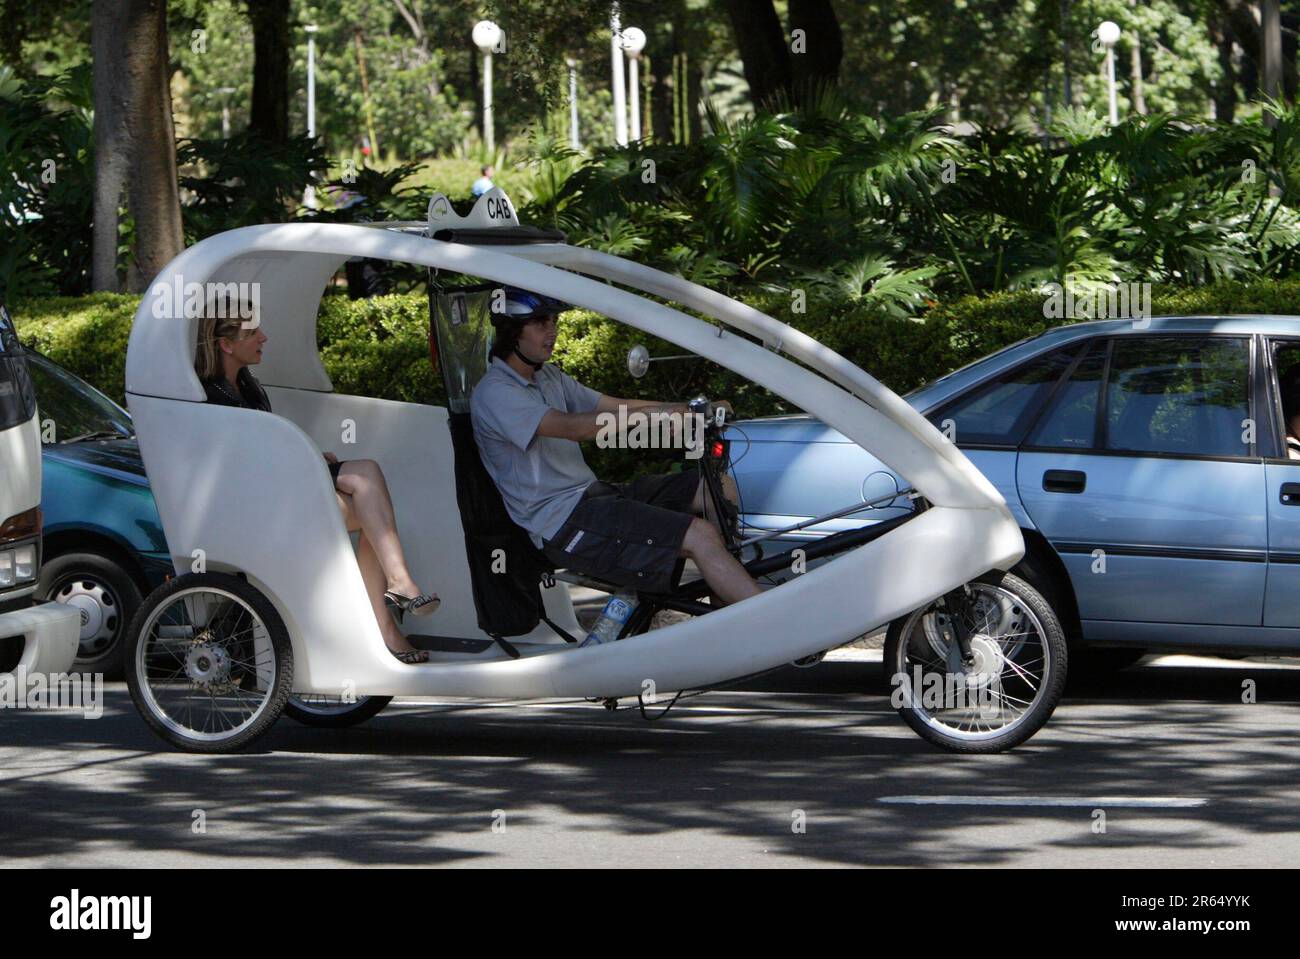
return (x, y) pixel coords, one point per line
(378, 347)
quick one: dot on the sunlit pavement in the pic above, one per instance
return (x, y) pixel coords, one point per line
(806, 767)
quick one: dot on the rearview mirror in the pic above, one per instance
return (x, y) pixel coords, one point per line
(638, 361)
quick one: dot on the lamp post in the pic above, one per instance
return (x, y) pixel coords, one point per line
(487, 36)
(1108, 33)
(616, 63)
(573, 104)
(225, 110)
(633, 44)
(311, 79)
(309, 194)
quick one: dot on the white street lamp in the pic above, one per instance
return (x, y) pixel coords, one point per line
(225, 110)
(311, 79)
(633, 44)
(1108, 33)
(573, 104)
(616, 62)
(487, 37)
(309, 194)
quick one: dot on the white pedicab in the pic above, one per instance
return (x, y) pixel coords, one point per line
(277, 616)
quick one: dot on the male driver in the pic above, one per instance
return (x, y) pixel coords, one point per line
(528, 420)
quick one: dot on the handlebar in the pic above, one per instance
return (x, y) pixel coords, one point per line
(715, 416)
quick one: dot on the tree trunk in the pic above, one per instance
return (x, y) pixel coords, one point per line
(819, 65)
(1067, 83)
(137, 145)
(1243, 18)
(763, 49)
(1135, 45)
(1270, 50)
(694, 85)
(1225, 92)
(106, 34)
(1289, 49)
(271, 47)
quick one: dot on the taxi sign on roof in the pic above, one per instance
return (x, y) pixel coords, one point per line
(493, 209)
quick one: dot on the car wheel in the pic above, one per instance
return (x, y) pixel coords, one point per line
(107, 598)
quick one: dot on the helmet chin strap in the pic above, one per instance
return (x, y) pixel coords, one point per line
(535, 366)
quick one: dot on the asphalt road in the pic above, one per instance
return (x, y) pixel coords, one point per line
(724, 781)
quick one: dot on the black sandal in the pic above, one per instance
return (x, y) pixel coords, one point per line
(412, 657)
(400, 605)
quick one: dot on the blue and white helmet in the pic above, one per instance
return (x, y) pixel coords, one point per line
(525, 305)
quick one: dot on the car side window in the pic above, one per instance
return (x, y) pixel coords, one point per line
(1179, 394)
(998, 412)
(1071, 423)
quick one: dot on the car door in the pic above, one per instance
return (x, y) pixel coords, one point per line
(1143, 473)
(1282, 496)
(988, 421)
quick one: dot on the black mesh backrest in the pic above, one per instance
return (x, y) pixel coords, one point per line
(505, 567)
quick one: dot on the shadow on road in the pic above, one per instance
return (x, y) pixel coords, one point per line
(415, 784)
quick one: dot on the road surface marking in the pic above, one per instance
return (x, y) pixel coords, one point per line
(1090, 802)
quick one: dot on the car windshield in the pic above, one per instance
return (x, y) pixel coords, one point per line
(78, 410)
(979, 362)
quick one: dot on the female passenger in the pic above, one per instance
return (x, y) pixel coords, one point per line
(225, 351)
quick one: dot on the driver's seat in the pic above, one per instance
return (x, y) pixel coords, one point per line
(506, 569)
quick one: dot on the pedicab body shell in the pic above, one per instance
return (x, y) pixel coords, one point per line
(246, 491)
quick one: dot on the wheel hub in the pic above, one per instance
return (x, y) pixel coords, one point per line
(98, 613)
(987, 655)
(207, 664)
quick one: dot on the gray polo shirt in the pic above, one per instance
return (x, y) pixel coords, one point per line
(541, 478)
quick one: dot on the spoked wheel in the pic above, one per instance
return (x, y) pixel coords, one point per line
(208, 663)
(333, 712)
(1009, 688)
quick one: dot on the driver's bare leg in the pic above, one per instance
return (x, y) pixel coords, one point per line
(724, 574)
(702, 506)
(372, 574)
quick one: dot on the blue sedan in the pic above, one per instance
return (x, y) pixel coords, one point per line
(1146, 463)
(103, 541)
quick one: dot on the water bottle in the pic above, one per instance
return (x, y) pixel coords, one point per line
(612, 619)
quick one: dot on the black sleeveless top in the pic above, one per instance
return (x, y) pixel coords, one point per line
(250, 394)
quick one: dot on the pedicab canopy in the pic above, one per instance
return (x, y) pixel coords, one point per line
(283, 270)
(245, 492)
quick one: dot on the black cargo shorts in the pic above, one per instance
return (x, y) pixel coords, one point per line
(629, 534)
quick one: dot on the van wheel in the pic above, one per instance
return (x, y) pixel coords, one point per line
(1009, 690)
(209, 663)
(332, 712)
(107, 598)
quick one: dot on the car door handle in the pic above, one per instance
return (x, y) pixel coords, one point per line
(1290, 494)
(1066, 481)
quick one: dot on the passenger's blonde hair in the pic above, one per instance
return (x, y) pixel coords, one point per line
(223, 318)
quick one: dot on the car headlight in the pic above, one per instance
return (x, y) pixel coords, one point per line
(25, 562)
(17, 565)
(19, 562)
